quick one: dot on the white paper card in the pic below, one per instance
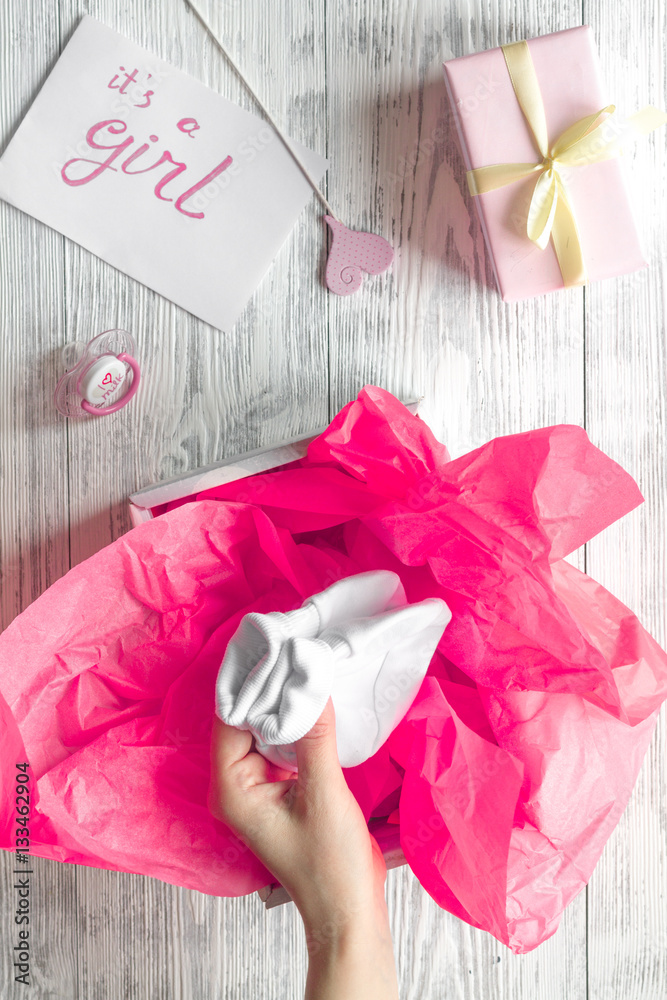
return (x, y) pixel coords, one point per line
(157, 174)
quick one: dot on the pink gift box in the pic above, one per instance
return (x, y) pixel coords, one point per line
(493, 129)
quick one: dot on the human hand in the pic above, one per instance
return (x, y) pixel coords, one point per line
(310, 832)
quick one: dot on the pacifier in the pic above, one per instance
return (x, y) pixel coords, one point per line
(100, 377)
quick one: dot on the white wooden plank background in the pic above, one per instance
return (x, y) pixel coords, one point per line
(361, 82)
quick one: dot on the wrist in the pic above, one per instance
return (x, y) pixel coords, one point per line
(346, 925)
(351, 955)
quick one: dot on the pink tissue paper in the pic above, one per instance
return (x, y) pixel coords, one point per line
(493, 129)
(516, 758)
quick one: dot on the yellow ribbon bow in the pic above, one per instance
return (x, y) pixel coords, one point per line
(550, 213)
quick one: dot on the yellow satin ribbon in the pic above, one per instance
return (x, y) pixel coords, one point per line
(550, 213)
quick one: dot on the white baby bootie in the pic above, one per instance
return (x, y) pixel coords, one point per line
(358, 641)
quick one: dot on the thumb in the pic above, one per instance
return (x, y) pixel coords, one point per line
(316, 752)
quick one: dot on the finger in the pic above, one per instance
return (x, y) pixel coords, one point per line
(273, 792)
(229, 748)
(229, 775)
(233, 762)
(276, 773)
(228, 744)
(317, 752)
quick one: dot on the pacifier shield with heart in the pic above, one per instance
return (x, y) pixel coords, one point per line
(100, 377)
(351, 254)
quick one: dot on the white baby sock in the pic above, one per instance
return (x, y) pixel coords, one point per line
(358, 641)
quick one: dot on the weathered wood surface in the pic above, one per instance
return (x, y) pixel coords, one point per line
(361, 82)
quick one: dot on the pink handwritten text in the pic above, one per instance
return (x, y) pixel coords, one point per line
(130, 78)
(188, 125)
(82, 170)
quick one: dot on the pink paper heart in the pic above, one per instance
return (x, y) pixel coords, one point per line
(352, 253)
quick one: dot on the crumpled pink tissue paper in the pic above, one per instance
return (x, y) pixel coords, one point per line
(520, 751)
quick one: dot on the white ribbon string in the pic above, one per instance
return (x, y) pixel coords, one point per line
(265, 110)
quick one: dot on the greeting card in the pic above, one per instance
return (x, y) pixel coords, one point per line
(157, 174)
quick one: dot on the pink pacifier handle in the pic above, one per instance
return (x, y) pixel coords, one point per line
(97, 411)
